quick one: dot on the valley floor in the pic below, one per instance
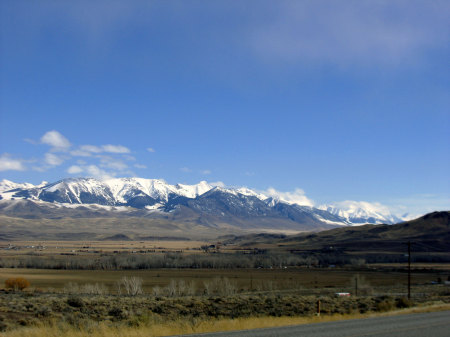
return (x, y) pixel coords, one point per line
(69, 302)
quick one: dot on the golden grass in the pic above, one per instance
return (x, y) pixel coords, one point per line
(57, 329)
(55, 247)
(281, 279)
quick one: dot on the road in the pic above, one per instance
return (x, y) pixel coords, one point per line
(434, 324)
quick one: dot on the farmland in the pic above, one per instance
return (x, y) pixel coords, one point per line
(52, 265)
(148, 287)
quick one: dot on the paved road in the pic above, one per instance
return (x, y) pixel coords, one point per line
(435, 324)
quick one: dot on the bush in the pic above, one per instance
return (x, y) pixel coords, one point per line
(385, 305)
(117, 313)
(87, 289)
(75, 301)
(18, 283)
(131, 286)
(43, 311)
(403, 303)
(220, 286)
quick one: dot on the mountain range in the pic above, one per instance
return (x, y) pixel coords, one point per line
(155, 201)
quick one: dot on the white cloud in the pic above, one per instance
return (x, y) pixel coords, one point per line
(40, 168)
(405, 208)
(56, 140)
(185, 169)
(295, 197)
(9, 164)
(115, 149)
(128, 157)
(53, 160)
(31, 141)
(91, 149)
(80, 153)
(218, 184)
(140, 166)
(150, 149)
(112, 163)
(96, 172)
(205, 172)
(354, 206)
(74, 169)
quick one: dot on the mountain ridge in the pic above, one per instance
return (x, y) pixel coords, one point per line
(156, 198)
(428, 233)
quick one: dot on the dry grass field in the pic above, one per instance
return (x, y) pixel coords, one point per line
(179, 327)
(245, 279)
(85, 300)
(271, 277)
(58, 247)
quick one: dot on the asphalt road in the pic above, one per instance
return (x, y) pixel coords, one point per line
(434, 324)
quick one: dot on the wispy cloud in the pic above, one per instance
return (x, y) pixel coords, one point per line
(140, 166)
(217, 183)
(151, 150)
(7, 163)
(56, 140)
(92, 171)
(115, 148)
(294, 197)
(348, 33)
(99, 160)
(96, 172)
(53, 159)
(89, 150)
(113, 163)
(206, 172)
(185, 169)
(74, 169)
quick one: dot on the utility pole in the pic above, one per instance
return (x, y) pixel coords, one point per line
(409, 270)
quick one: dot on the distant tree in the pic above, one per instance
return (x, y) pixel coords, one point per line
(18, 283)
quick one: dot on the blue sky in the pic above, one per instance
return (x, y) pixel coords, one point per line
(330, 100)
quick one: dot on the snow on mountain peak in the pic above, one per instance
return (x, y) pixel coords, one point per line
(154, 193)
(6, 185)
(361, 212)
(248, 192)
(192, 191)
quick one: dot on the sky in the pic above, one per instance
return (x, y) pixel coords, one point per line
(324, 101)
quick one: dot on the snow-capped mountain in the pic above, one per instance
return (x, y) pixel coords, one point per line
(134, 192)
(6, 185)
(210, 204)
(360, 212)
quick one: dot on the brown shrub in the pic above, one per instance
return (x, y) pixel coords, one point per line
(18, 283)
(403, 303)
(386, 305)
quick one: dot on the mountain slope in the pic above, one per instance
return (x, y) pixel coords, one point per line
(155, 201)
(429, 233)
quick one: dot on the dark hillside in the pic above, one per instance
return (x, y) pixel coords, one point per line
(429, 234)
